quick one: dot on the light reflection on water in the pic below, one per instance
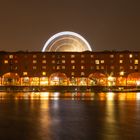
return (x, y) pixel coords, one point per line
(74, 96)
(69, 116)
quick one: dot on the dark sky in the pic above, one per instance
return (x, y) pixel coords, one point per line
(106, 24)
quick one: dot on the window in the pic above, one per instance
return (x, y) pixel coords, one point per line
(121, 67)
(34, 56)
(122, 73)
(130, 55)
(82, 61)
(16, 67)
(121, 61)
(91, 67)
(102, 67)
(53, 56)
(44, 61)
(136, 67)
(92, 56)
(63, 61)
(72, 73)
(130, 61)
(97, 62)
(44, 73)
(73, 67)
(136, 61)
(121, 55)
(112, 67)
(53, 61)
(97, 67)
(72, 56)
(43, 67)
(72, 61)
(16, 61)
(34, 67)
(44, 56)
(25, 73)
(82, 56)
(58, 67)
(5, 61)
(63, 56)
(10, 56)
(131, 67)
(63, 67)
(111, 56)
(82, 67)
(82, 73)
(102, 61)
(34, 61)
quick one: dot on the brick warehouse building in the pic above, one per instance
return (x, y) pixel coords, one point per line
(106, 68)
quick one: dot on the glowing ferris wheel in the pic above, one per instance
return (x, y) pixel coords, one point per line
(66, 41)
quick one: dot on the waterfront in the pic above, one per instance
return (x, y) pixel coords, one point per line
(82, 116)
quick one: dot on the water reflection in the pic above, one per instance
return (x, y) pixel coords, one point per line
(84, 116)
(74, 96)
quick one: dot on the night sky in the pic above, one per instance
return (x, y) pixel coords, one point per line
(106, 24)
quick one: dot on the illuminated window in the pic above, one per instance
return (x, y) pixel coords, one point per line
(44, 73)
(82, 56)
(72, 56)
(131, 67)
(63, 67)
(130, 61)
(63, 61)
(92, 56)
(121, 67)
(53, 61)
(5, 61)
(130, 55)
(102, 67)
(34, 61)
(44, 56)
(121, 61)
(43, 67)
(73, 67)
(82, 61)
(53, 56)
(82, 73)
(97, 67)
(82, 67)
(122, 73)
(44, 61)
(136, 67)
(34, 67)
(97, 62)
(58, 61)
(72, 61)
(102, 61)
(58, 67)
(112, 67)
(25, 73)
(111, 56)
(11, 56)
(16, 67)
(63, 56)
(72, 73)
(136, 61)
(121, 55)
(34, 56)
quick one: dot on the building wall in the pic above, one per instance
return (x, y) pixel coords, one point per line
(72, 64)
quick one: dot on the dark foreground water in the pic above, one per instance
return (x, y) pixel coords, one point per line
(103, 116)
